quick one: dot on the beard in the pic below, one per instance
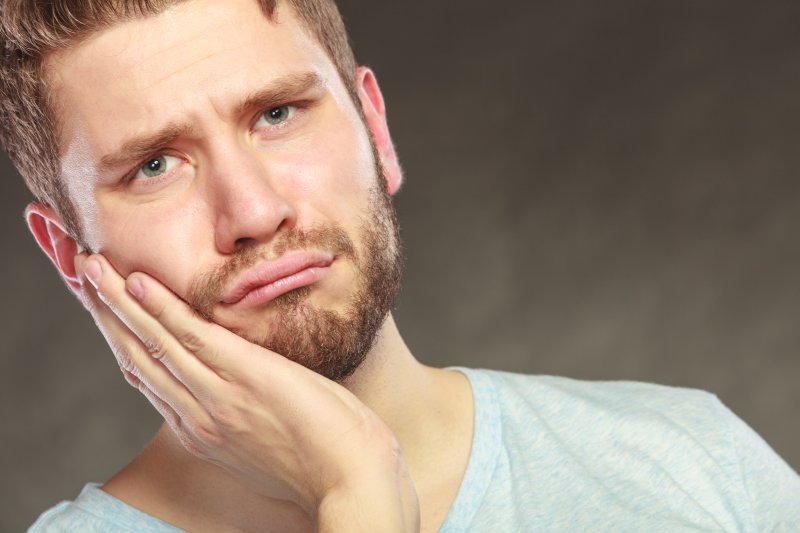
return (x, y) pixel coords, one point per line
(331, 343)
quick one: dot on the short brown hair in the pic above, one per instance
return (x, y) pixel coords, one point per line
(31, 29)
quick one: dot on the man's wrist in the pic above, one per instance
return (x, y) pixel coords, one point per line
(384, 500)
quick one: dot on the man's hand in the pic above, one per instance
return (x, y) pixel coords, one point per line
(286, 431)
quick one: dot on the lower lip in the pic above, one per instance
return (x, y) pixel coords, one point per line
(267, 293)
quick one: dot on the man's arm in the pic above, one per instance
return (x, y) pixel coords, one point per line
(286, 431)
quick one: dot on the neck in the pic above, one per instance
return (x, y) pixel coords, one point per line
(426, 408)
(397, 387)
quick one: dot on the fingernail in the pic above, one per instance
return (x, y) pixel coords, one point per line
(135, 288)
(93, 271)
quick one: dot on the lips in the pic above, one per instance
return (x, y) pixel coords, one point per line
(266, 281)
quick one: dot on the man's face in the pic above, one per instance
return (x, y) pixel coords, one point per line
(222, 154)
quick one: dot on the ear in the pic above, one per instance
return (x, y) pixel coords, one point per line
(49, 231)
(375, 112)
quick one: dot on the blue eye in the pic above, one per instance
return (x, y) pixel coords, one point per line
(157, 166)
(276, 115)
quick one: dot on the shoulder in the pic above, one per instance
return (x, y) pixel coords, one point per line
(671, 440)
(604, 419)
(95, 511)
(566, 404)
(535, 388)
(71, 515)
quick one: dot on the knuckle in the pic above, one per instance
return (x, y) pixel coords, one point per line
(173, 420)
(191, 341)
(211, 358)
(132, 380)
(124, 358)
(141, 387)
(206, 434)
(188, 442)
(223, 416)
(155, 347)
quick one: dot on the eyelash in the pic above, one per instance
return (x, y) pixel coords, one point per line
(131, 176)
(299, 109)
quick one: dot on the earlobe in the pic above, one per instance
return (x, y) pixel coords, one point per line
(49, 231)
(375, 113)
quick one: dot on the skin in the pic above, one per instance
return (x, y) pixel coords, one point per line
(252, 440)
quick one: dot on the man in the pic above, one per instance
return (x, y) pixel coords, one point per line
(214, 183)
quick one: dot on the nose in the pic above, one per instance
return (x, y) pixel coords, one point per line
(247, 205)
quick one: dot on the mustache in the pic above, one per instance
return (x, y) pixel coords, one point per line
(207, 289)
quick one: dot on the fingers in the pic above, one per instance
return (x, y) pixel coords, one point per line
(144, 372)
(157, 346)
(195, 334)
(181, 409)
(137, 366)
(173, 420)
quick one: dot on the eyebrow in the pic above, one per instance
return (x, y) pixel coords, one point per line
(276, 93)
(137, 148)
(281, 91)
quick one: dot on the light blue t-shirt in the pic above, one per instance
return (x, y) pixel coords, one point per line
(561, 455)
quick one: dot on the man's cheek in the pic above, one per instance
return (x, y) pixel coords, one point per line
(131, 253)
(167, 247)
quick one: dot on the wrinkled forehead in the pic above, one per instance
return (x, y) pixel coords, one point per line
(193, 56)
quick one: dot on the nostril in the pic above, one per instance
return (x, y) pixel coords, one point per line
(243, 242)
(286, 223)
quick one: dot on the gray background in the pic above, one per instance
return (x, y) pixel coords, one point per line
(604, 190)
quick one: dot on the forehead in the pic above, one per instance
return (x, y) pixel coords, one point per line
(197, 57)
